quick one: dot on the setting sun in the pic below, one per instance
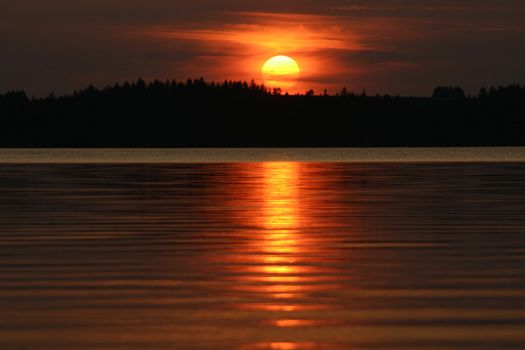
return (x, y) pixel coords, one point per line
(281, 71)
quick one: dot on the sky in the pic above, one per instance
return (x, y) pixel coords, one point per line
(404, 47)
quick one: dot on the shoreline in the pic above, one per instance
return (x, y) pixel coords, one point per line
(255, 155)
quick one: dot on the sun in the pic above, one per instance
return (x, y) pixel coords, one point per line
(281, 71)
(281, 66)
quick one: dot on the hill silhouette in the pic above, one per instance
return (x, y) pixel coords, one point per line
(196, 113)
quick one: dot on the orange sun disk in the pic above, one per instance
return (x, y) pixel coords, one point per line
(281, 71)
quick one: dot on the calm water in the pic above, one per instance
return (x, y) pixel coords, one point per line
(276, 255)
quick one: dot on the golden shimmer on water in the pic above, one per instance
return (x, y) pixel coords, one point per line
(285, 271)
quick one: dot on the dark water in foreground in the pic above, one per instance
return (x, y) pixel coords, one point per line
(285, 256)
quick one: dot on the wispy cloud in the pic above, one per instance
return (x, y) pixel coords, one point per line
(238, 47)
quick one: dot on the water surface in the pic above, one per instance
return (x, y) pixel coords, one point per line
(274, 255)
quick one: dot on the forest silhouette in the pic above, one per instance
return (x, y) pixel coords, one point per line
(196, 113)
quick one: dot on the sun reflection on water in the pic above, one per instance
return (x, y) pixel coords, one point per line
(281, 207)
(281, 216)
(280, 346)
(285, 275)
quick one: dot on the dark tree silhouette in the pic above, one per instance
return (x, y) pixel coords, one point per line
(196, 113)
(448, 93)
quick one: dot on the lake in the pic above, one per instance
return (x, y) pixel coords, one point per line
(253, 249)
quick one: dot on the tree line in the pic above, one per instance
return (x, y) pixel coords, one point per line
(197, 113)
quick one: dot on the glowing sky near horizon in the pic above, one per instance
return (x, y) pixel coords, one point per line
(406, 47)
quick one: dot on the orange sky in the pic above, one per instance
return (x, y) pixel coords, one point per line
(407, 47)
(322, 45)
(238, 50)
